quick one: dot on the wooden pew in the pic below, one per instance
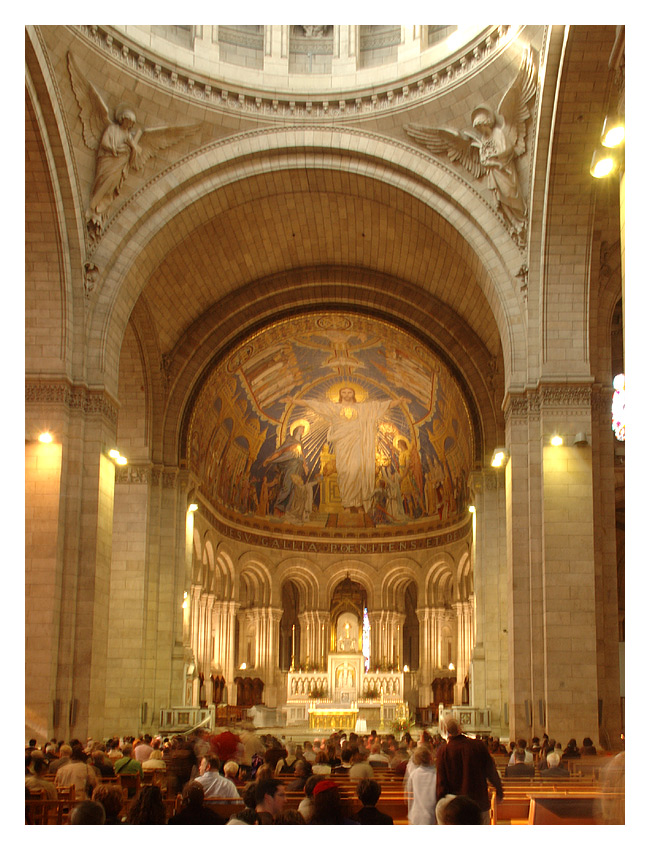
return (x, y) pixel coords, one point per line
(515, 806)
(567, 809)
(225, 806)
(41, 812)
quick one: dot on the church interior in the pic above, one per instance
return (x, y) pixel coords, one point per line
(324, 355)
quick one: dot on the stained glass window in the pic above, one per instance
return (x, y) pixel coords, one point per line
(618, 407)
(365, 640)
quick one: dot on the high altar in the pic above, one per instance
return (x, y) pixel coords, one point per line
(342, 694)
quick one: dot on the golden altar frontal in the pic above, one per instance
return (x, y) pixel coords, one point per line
(333, 718)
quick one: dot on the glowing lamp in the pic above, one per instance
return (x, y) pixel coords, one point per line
(613, 133)
(602, 164)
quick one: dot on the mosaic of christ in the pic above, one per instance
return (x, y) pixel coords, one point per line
(330, 420)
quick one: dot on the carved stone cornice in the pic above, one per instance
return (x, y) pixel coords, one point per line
(567, 399)
(133, 474)
(77, 397)
(412, 90)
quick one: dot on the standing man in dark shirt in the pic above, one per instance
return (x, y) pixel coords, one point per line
(464, 767)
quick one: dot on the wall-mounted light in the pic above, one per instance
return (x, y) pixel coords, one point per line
(613, 133)
(242, 666)
(499, 457)
(184, 599)
(193, 507)
(603, 163)
(451, 665)
(472, 509)
(406, 668)
(556, 440)
(45, 437)
(580, 439)
(117, 457)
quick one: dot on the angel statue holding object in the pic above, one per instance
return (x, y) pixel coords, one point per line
(119, 147)
(493, 144)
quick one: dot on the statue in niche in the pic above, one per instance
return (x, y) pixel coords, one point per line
(311, 31)
(493, 145)
(120, 147)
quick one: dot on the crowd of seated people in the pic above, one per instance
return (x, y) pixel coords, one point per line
(258, 771)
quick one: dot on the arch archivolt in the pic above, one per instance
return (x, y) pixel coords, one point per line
(225, 581)
(304, 577)
(127, 261)
(356, 571)
(465, 578)
(396, 578)
(255, 583)
(439, 582)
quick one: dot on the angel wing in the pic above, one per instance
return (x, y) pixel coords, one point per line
(94, 114)
(159, 138)
(459, 146)
(513, 109)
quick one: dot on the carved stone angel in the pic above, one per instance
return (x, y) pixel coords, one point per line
(119, 147)
(493, 144)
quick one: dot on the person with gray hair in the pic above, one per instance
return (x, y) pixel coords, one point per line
(464, 768)
(231, 770)
(554, 768)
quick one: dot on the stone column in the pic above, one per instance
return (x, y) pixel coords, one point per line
(427, 619)
(463, 647)
(224, 615)
(397, 625)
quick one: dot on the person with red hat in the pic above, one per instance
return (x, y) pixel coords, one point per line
(328, 807)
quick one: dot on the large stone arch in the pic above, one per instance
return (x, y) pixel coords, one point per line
(125, 265)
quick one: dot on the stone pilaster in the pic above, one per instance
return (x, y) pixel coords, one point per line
(552, 631)
(489, 665)
(69, 556)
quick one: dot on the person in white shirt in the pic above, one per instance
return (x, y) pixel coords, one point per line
(421, 787)
(521, 745)
(214, 784)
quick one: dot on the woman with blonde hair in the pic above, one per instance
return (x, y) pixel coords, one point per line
(421, 787)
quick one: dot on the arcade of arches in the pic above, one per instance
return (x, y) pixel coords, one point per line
(306, 281)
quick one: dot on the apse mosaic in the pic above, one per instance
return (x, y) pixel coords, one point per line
(332, 420)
